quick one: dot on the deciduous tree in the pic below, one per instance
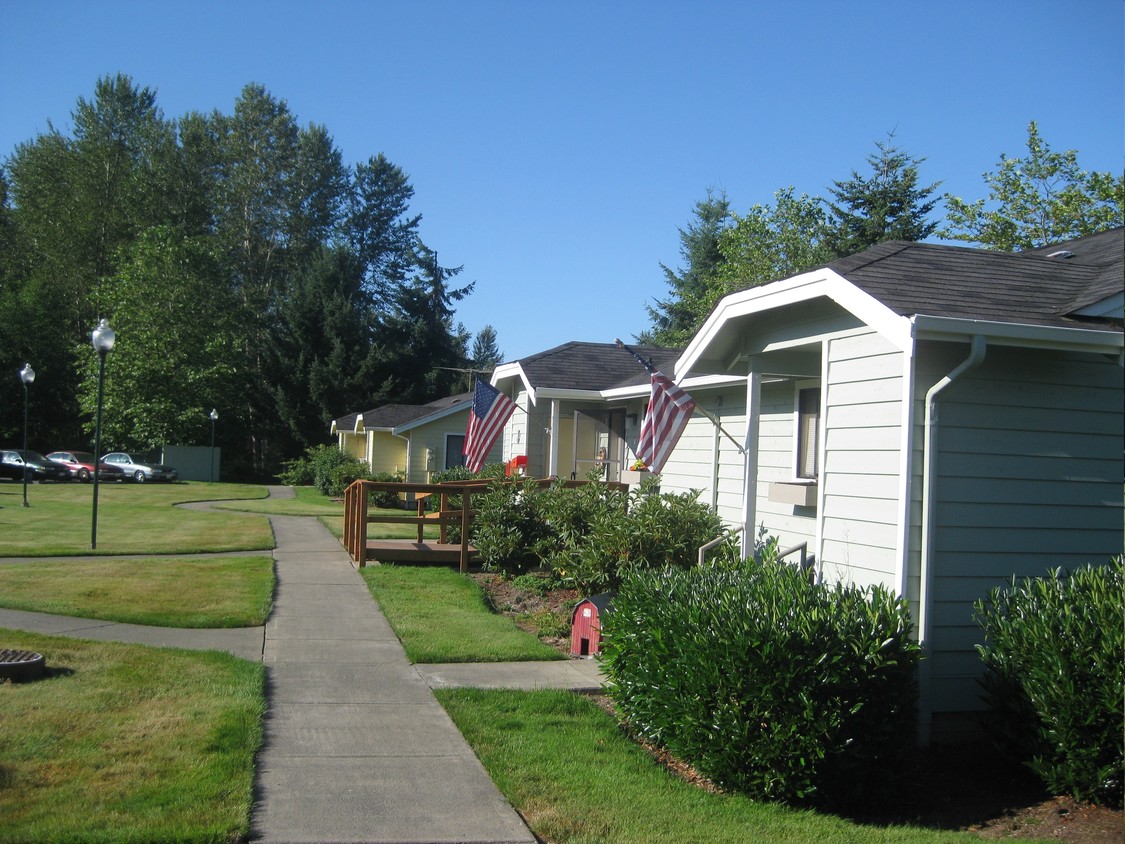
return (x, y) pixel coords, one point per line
(1042, 198)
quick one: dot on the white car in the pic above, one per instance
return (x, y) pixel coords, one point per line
(139, 469)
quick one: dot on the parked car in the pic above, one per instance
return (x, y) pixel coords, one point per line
(80, 465)
(140, 470)
(14, 461)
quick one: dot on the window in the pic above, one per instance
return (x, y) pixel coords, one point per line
(454, 450)
(808, 432)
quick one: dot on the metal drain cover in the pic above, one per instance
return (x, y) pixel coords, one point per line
(21, 665)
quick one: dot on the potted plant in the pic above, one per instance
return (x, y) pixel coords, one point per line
(636, 473)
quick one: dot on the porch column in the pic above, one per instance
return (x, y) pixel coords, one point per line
(553, 441)
(750, 461)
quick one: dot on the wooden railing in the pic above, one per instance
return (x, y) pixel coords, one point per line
(357, 514)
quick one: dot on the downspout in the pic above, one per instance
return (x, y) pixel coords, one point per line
(976, 355)
(409, 444)
(714, 469)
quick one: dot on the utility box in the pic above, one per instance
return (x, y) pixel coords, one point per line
(586, 625)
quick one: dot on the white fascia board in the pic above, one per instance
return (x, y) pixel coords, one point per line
(429, 417)
(1018, 334)
(699, 382)
(562, 393)
(820, 283)
(513, 370)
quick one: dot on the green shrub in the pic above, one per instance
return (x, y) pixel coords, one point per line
(509, 529)
(767, 684)
(1054, 678)
(383, 498)
(325, 467)
(654, 532)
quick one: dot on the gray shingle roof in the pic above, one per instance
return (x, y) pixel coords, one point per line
(1024, 287)
(392, 415)
(593, 366)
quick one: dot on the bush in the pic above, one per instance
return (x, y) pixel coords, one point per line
(1054, 678)
(325, 467)
(509, 530)
(654, 532)
(767, 684)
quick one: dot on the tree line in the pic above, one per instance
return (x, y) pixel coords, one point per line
(243, 267)
(1040, 198)
(246, 268)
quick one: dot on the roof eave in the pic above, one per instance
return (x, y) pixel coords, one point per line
(1018, 334)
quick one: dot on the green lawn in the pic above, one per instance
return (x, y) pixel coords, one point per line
(575, 777)
(443, 616)
(132, 519)
(160, 591)
(126, 743)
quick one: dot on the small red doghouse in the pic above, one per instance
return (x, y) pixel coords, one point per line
(585, 624)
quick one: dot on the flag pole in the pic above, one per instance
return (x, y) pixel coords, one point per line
(647, 364)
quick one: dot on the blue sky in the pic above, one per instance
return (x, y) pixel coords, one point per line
(556, 148)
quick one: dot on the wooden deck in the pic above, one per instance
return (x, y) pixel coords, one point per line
(407, 551)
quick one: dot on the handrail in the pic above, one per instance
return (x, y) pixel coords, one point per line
(703, 549)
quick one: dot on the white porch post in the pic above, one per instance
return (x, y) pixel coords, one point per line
(750, 464)
(553, 454)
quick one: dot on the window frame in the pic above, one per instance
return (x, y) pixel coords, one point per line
(802, 417)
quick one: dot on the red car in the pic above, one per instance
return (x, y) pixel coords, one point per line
(80, 464)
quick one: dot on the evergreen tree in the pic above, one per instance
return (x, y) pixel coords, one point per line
(427, 349)
(486, 355)
(1034, 201)
(324, 349)
(888, 204)
(676, 318)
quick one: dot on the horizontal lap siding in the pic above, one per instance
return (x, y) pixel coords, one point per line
(691, 464)
(1028, 478)
(862, 403)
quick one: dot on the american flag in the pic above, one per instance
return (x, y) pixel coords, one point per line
(491, 410)
(669, 409)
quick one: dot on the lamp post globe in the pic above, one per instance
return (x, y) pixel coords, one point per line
(102, 338)
(27, 375)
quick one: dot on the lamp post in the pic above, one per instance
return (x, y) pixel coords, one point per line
(27, 375)
(214, 416)
(103, 339)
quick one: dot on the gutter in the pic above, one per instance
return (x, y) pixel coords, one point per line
(976, 355)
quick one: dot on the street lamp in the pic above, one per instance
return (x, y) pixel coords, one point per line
(214, 416)
(27, 375)
(103, 339)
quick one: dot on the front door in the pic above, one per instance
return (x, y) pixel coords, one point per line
(599, 443)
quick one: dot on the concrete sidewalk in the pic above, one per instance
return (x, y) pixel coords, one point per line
(356, 747)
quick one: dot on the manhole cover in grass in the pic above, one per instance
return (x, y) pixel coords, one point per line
(21, 665)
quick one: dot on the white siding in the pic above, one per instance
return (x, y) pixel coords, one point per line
(862, 401)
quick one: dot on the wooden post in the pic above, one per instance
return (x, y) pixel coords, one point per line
(361, 524)
(464, 530)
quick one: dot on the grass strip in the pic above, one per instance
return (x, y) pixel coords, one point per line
(163, 591)
(443, 616)
(126, 743)
(575, 777)
(132, 519)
